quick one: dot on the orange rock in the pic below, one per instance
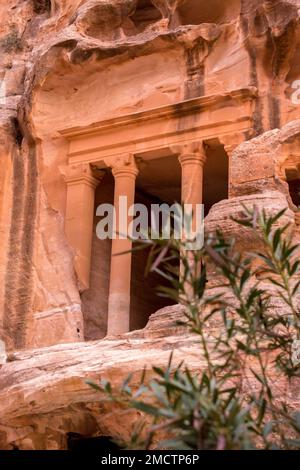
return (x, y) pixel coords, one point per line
(93, 85)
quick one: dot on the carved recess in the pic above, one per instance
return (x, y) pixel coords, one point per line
(112, 21)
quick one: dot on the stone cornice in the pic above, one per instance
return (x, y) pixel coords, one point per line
(172, 110)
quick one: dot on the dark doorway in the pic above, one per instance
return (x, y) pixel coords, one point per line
(83, 444)
(159, 182)
(215, 186)
(294, 189)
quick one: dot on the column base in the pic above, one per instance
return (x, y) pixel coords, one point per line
(118, 314)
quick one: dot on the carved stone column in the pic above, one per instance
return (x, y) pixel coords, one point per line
(231, 142)
(125, 172)
(81, 184)
(192, 158)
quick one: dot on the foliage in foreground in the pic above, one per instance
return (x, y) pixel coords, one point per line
(237, 399)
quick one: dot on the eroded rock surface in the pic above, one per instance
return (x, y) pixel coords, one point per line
(44, 395)
(68, 64)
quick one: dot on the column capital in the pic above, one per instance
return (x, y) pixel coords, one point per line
(82, 173)
(123, 165)
(231, 142)
(190, 153)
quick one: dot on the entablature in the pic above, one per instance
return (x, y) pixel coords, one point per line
(153, 131)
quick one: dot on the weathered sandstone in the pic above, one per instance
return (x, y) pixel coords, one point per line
(44, 395)
(99, 98)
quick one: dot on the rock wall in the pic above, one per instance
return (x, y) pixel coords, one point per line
(77, 62)
(69, 63)
(45, 398)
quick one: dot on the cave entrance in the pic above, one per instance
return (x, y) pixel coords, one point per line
(294, 190)
(83, 444)
(292, 177)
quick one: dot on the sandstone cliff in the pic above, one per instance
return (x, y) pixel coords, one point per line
(58, 61)
(71, 63)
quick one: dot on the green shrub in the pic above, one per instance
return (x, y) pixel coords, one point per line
(212, 408)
